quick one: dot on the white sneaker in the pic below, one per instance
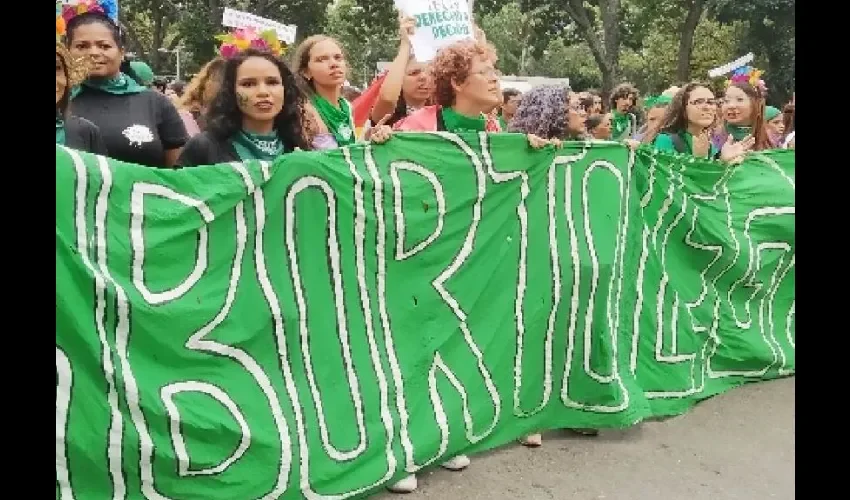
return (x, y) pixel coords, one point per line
(459, 462)
(405, 485)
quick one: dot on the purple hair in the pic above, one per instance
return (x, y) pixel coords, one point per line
(543, 112)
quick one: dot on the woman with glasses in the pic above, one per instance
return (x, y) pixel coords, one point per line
(686, 127)
(466, 91)
(551, 112)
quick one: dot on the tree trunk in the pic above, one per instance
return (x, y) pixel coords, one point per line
(686, 43)
(606, 52)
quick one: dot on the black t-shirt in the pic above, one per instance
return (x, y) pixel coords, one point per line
(205, 149)
(137, 128)
(83, 135)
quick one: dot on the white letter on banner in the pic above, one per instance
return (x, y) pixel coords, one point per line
(199, 342)
(616, 283)
(100, 273)
(439, 285)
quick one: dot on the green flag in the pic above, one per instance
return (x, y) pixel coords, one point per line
(320, 326)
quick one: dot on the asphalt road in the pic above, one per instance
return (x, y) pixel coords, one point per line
(736, 446)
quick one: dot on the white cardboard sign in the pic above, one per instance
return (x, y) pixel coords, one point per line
(237, 19)
(438, 23)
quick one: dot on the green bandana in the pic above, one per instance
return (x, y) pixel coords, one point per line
(337, 119)
(738, 133)
(621, 125)
(250, 146)
(456, 122)
(60, 130)
(119, 85)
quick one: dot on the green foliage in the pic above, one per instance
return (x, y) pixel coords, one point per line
(533, 37)
(772, 33)
(653, 68)
(511, 30)
(368, 32)
(575, 62)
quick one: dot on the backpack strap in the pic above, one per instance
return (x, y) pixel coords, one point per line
(679, 144)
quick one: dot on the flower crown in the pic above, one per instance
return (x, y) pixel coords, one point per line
(748, 74)
(244, 38)
(65, 12)
(108, 8)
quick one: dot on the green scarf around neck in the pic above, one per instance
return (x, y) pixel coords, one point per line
(456, 122)
(60, 129)
(337, 119)
(737, 132)
(117, 85)
(621, 125)
(250, 146)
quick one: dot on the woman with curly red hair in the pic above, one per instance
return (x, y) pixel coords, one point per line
(466, 90)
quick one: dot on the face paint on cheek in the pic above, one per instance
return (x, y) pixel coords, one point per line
(241, 99)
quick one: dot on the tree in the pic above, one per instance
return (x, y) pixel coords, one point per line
(645, 18)
(367, 31)
(550, 21)
(150, 25)
(771, 32)
(605, 50)
(511, 30)
(200, 21)
(653, 68)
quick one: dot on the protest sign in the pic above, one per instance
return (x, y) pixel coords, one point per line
(438, 23)
(237, 19)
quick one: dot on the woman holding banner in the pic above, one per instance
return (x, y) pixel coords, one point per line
(138, 125)
(686, 127)
(466, 90)
(258, 111)
(743, 107)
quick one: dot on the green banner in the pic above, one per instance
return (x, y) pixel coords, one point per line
(317, 327)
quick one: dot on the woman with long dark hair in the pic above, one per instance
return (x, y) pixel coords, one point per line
(257, 113)
(686, 127)
(138, 125)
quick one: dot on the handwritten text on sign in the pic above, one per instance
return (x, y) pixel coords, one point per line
(438, 23)
(237, 19)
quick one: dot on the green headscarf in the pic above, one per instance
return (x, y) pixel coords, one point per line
(770, 113)
(250, 146)
(650, 102)
(456, 122)
(338, 119)
(118, 85)
(143, 71)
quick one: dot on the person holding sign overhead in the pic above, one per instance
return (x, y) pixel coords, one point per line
(407, 86)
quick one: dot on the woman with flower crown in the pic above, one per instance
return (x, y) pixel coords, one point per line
(743, 109)
(259, 111)
(138, 125)
(72, 131)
